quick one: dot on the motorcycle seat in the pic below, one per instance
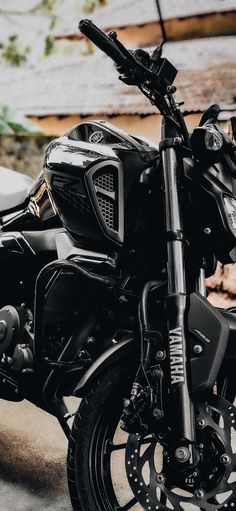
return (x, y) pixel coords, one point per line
(14, 189)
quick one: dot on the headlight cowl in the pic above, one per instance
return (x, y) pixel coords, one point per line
(206, 142)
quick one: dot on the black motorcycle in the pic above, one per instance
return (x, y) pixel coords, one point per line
(156, 424)
(103, 261)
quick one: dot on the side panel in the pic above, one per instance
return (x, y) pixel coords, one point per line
(22, 256)
(85, 185)
(209, 334)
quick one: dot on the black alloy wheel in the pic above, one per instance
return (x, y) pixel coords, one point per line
(109, 470)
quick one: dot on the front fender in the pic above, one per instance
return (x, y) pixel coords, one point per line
(128, 347)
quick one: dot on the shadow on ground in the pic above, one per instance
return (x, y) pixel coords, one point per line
(32, 460)
(20, 463)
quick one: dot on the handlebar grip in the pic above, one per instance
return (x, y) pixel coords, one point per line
(102, 41)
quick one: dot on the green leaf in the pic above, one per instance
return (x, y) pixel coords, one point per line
(5, 128)
(18, 127)
(16, 122)
(49, 46)
(13, 38)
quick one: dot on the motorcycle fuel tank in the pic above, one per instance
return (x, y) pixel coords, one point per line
(90, 172)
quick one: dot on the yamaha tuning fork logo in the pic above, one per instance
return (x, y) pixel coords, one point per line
(96, 137)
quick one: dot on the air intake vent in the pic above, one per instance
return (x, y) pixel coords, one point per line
(108, 211)
(106, 188)
(105, 181)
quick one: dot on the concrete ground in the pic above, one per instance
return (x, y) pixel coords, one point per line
(32, 460)
(33, 452)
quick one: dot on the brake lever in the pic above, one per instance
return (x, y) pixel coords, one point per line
(139, 72)
(122, 48)
(144, 68)
(143, 58)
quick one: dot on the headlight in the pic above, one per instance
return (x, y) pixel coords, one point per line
(213, 140)
(230, 208)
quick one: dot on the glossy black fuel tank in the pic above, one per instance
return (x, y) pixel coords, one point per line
(91, 174)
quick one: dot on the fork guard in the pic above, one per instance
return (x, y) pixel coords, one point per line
(128, 347)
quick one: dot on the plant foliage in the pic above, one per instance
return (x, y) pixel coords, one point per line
(91, 5)
(12, 122)
(12, 52)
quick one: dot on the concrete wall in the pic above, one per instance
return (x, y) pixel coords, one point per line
(178, 29)
(146, 126)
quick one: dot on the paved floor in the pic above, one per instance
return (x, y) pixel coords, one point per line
(32, 460)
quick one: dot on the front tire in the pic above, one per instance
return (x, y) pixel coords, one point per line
(109, 470)
(91, 442)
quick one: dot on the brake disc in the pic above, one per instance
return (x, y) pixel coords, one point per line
(211, 485)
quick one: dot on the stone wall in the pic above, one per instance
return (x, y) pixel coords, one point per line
(23, 153)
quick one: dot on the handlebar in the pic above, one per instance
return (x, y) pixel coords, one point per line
(152, 74)
(104, 42)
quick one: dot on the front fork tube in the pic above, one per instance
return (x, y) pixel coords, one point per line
(200, 284)
(180, 412)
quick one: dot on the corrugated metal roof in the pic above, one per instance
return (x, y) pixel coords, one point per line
(20, 7)
(138, 12)
(118, 13)
(89, 85)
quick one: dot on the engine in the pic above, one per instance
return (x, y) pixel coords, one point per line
(16, 339)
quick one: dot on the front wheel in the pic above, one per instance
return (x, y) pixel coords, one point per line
(109, 470)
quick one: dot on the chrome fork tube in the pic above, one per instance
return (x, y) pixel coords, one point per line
(175, 261)
(201, 287)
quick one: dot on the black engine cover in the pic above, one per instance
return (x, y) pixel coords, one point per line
(12, 322)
